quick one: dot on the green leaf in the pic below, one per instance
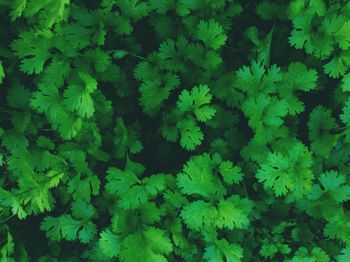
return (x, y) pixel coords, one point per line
(316, 254)
(2, 73)
(198, 213)
(173, 54)
(82, 210)
(313, 41)
(263, 46)
(51, 225)
(55, 73)
(231, 174)
(230, 214)
(15, 140)
(211, 34)
(133, 198)
(126, 139)
(17, 8)
(197, 101)
(249, 78)
(87, 233)
(49, 12)
(34, 50)
(109, 243)
(264, 110)
(46, 100)
(299, 7)
(345, 83)
(49, 101)
(300, 77)
(342, 36)
(223, 251)
(191, 134)
(345, 118)
(204, 58)
(268, 250)
(198, 177)
(8, 248)
(338, 65)
(153, 96)
(18, 97)
(300, 34)
(150, 244)
(78, 98)
(290, 172)
(72, 227)
(83, 189)
(119, 54)
(9, 200)
(131, 191)
(69, 227)
(338, 227)
(344, 256)
(99, 59)
(120, 181)
(133, 8)
(334, 185)
(154, 184)
(268, 10)
(320, 125)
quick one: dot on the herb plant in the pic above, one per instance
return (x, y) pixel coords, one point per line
(175, 130)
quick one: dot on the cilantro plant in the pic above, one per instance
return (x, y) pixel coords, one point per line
(175, 130)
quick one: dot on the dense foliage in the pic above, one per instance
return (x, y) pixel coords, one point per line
(175, 130)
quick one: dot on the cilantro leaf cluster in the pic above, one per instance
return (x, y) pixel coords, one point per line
(175, 130)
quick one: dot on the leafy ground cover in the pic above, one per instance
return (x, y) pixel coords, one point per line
(175, 130)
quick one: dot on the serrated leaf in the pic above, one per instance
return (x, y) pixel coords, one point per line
(191, 134)
(231, 174)
(109, 243)
(211, 33)
(150, 244)
(197, 101)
